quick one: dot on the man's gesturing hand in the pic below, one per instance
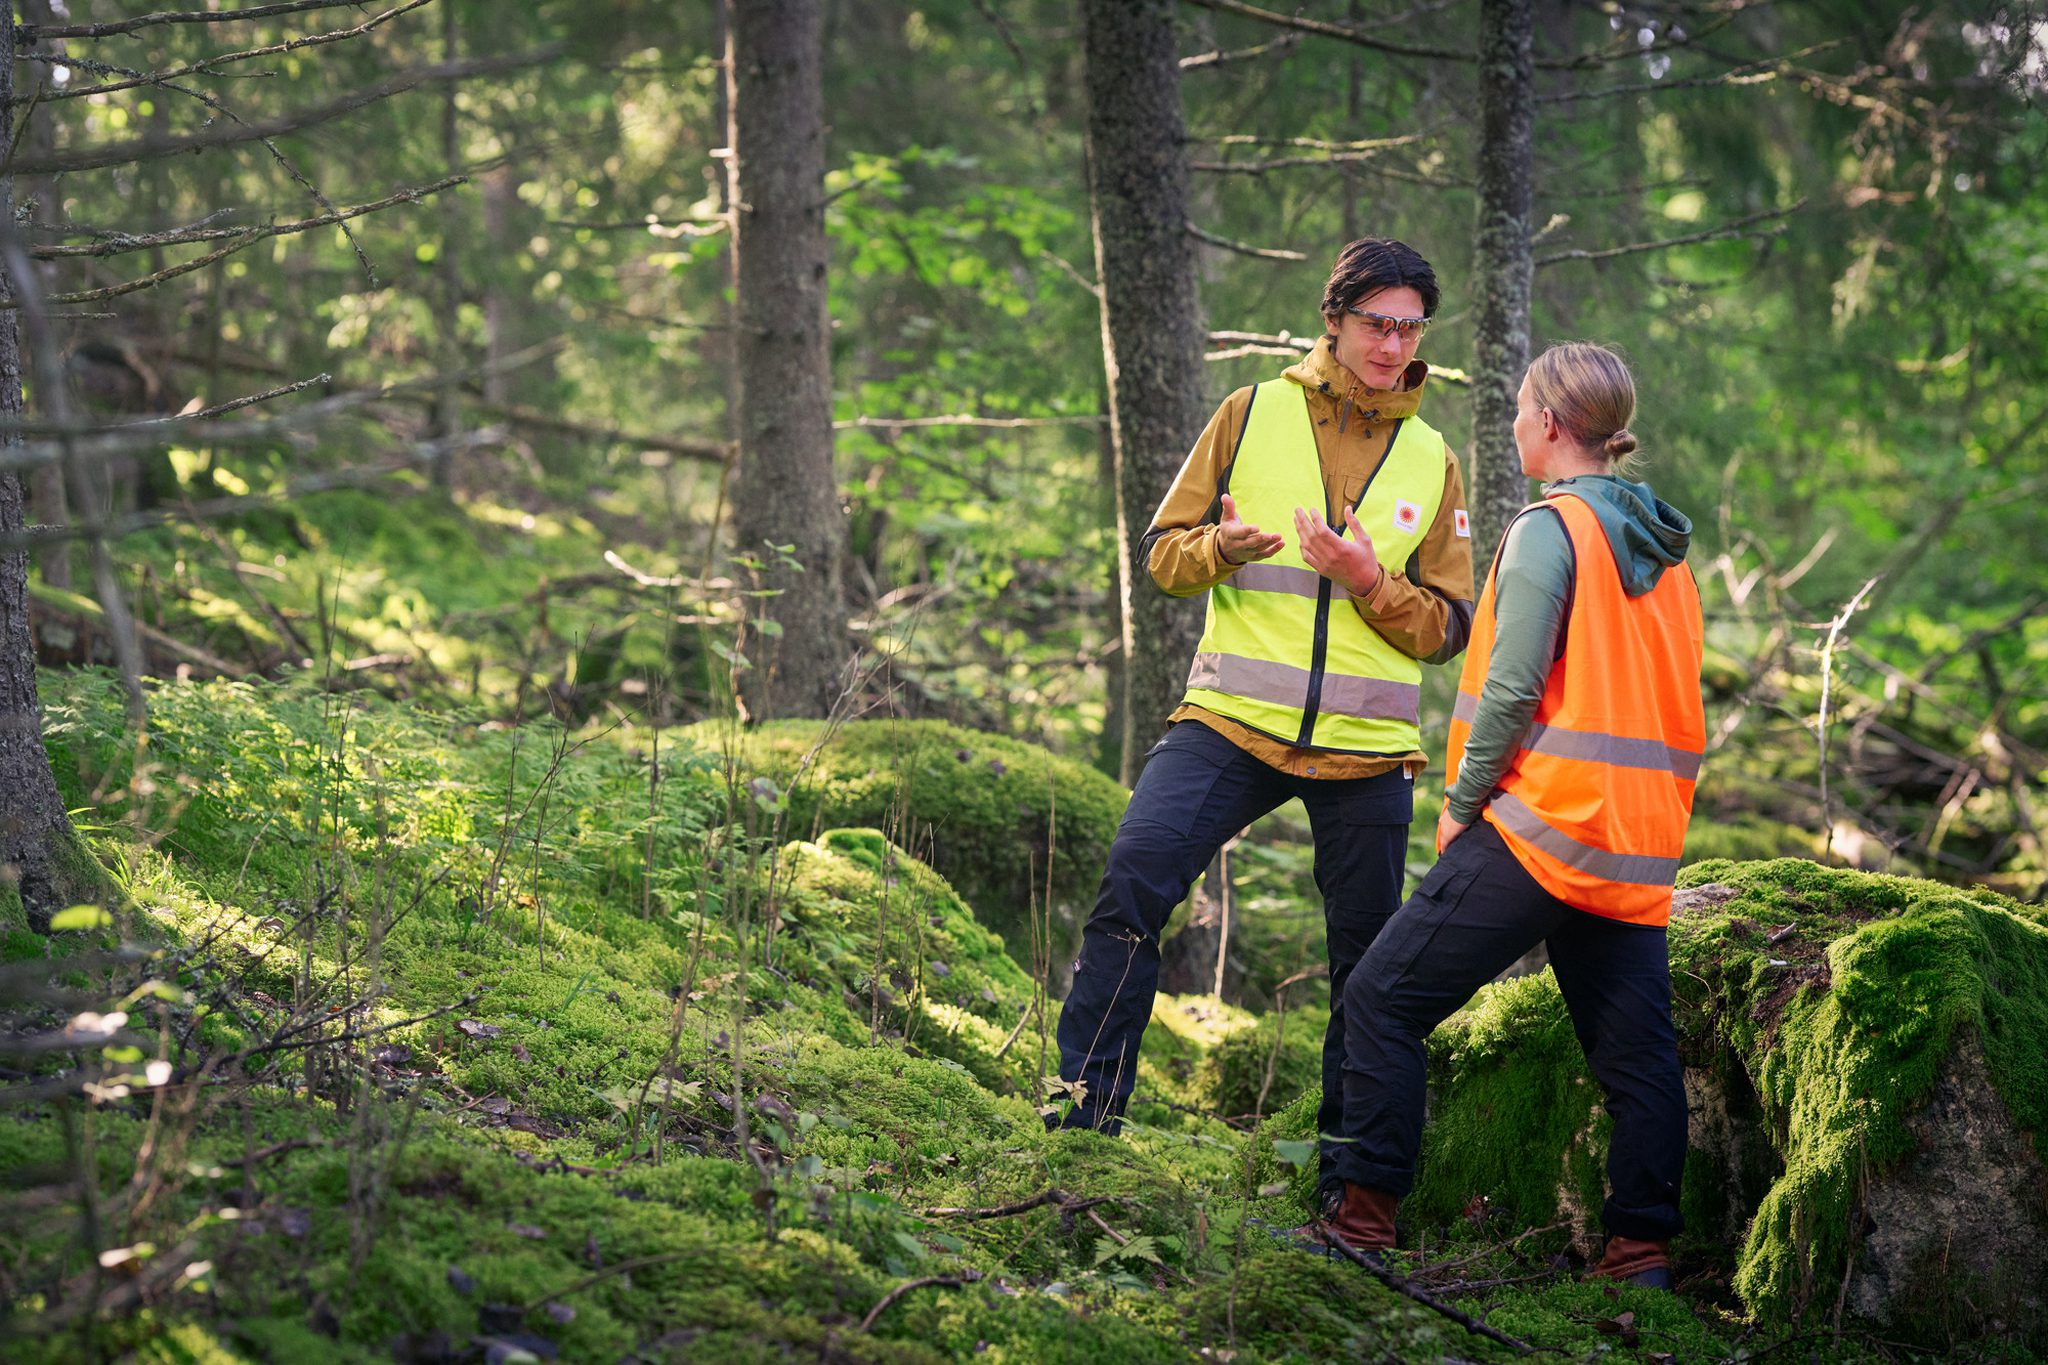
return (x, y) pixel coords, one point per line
(1352, 563)
(1241, 544)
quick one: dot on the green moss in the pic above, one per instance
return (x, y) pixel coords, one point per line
(880, 1068)
(1005, 822)
(1509, 1063)
(1233, 1077)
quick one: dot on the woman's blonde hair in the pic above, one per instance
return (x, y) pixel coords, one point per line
(1590, 392)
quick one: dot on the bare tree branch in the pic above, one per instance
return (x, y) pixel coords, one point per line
(1442, 182)
(1342, 32)
(32, 33)
(1264, 253)
(417, 456)
(1753, 73)
(239, 237)
(1315, 143)
(967, 420)
(82, 442)
(691, 447)
(1731, 229)
(1616, 52)
(1218, 57)
(151, 149)
(210, 64)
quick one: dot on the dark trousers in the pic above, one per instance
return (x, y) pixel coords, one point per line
(1475, 913)
(1197, 790)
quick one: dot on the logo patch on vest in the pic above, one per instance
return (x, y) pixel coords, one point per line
(1407, 515)
(1461, 522)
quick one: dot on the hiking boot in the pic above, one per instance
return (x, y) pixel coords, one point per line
(1359, 1217)
(1630, 1260)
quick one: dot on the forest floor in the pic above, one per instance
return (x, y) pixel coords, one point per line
(428, 1039)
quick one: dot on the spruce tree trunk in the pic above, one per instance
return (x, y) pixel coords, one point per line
(47, 497)
(31, 812)
(786, 493)
(1152, 331)
(1501, 265)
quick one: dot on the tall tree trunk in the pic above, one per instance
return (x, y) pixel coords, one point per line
(1152, 332)
(448, 267)
(786, 493)
(46, 492)
(1354, 104)
(1501, 261)
(31, 812)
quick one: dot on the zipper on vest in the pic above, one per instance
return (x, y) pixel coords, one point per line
(1316, 661)
(1319, 657)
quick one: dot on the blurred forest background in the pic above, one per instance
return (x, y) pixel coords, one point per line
(507, 473)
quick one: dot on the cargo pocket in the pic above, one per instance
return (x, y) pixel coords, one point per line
(1431, 906)
(1180, 773)
(1387, 799)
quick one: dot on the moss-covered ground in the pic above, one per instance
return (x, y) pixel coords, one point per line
(444, 1041)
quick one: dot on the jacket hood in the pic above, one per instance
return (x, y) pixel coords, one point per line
(1320, 373)
(1647, 534)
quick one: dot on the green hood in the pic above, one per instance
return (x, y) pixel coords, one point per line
(1647, 534)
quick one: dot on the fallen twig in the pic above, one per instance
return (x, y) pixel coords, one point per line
(274, 1149)
(1401, 1284)
(1066, 1203)
(943, 1281)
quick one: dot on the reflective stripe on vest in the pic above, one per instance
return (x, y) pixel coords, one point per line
(1286, 685)
(1637, 869)
(1283, 650)
(1595, 802)
(1595, 747)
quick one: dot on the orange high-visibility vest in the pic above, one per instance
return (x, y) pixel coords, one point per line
(1595, 803)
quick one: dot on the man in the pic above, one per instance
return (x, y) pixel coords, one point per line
(1307, 678)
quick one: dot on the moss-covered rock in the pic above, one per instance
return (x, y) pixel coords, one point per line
(1866, 1064)
(1010, 825)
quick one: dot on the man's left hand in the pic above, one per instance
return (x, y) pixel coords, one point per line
(1352, 563)
(1448, 829)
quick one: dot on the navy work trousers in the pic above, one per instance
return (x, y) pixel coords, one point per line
(1474, 914)
(1197, 790)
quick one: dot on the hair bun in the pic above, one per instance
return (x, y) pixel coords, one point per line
(1621, 443)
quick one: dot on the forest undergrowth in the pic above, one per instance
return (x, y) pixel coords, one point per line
(421, 1038)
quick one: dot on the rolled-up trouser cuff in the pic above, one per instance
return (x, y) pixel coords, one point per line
(1647, 1225)
(1354, 1169)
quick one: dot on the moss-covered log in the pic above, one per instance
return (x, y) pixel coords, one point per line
(1008, 824)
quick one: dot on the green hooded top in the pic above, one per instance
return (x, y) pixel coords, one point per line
(1532, 599)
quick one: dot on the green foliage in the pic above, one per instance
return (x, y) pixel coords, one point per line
(1013, 827)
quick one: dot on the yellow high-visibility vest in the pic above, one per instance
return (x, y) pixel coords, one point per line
(1283, 650)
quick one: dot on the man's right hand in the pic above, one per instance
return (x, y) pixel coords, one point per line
(1239, 543)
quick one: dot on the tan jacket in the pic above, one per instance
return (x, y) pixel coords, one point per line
(1423, 608)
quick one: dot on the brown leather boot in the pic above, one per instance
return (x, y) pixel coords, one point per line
(1634, 1261)
(1361, 1218)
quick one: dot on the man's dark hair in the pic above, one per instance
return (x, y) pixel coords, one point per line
(1371, 264)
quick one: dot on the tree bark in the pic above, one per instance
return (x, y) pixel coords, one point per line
(448, 268)
(786, 493)
(1152, 331)
(1501, 260)
(31, 811)
(46, 493)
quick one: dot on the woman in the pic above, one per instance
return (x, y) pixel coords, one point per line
(1574, 747)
